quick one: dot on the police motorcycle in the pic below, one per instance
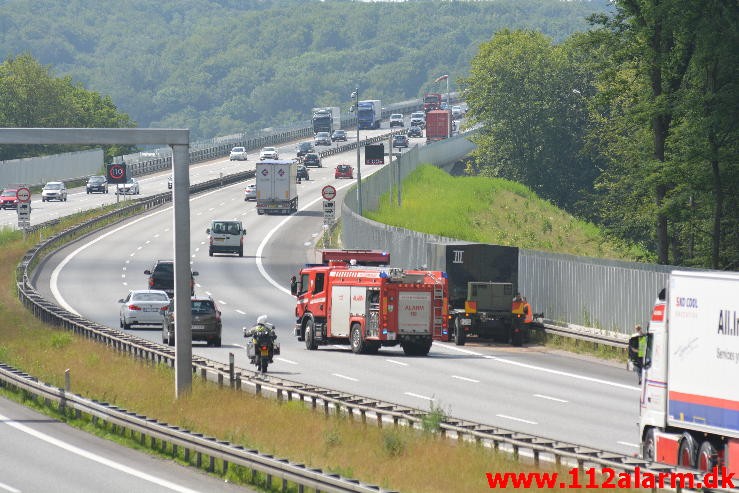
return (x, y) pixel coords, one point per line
(261, 343)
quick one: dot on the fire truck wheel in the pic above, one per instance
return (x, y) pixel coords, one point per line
(310, 336)
(358, 345)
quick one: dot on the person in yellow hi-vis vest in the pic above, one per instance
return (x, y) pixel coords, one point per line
(518, 309)
(640, 348)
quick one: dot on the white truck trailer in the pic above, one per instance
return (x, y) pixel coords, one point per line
(689, 412)
(277, 190)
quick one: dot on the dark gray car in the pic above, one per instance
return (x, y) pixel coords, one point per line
(206, 322)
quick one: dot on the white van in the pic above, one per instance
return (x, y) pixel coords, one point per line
(226, 236)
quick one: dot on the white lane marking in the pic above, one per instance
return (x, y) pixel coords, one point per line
(550, 398)
(94, 457)
(54, 280)
(399, 363)
(139, 247)
(240, 312)
(287, 361)
(268, 236)
(207, 292)
(308, 243)
(521, 420)
(542, 369)
(222, 302)
(125, 284)
(123, 276)
(629, 444)
(419, 396)
(465, 379)
(345, 377)
(6, 487)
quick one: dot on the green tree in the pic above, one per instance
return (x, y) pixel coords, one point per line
(30, 96)
(666, 107)
(531, 98)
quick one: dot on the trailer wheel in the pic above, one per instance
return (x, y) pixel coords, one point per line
(648, 446)
(707, 457)
(358, 345)
(310, 336)
(688, 451)
(459, 335)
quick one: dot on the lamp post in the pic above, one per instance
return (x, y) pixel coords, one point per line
(355, 97)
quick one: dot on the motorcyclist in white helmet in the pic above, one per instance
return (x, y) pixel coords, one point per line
(262, 327)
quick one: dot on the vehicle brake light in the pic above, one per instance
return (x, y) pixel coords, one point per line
(134, 307)
(151, 282)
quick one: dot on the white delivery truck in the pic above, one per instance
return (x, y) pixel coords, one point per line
(277, 190)
(689, 412)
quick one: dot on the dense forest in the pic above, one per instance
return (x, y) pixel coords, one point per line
(623, 113)
(220, 67)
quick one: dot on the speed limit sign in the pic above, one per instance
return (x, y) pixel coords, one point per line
(117, 173)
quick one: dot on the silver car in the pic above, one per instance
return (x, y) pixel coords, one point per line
(54, 190)
(131, 187)
(238, 154)
(250, 192)
(143, 307)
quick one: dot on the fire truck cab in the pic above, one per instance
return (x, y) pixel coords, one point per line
(370, 307)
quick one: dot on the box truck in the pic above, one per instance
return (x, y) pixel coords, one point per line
(277, 190)
(369, 114)
(689, 359)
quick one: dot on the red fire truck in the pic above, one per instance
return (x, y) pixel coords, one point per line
(370, 307)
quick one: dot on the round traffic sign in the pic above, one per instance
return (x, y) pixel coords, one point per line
(23, 194)
(328, 192)
(117, 171)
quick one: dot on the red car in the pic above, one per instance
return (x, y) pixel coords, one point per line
(8, 199)
(344, 171)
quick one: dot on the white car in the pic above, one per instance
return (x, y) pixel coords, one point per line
(457, 112)
(396, 120)
(143, 307)
(418, 119)
(250, 192)
(54, 190)
(269, 153)
(237, 154)
(131, 187)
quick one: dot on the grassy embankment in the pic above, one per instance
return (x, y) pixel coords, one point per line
(500, 212)
(395, 458)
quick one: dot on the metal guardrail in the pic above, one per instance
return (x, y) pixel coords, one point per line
(185, 440)
(330, 400)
